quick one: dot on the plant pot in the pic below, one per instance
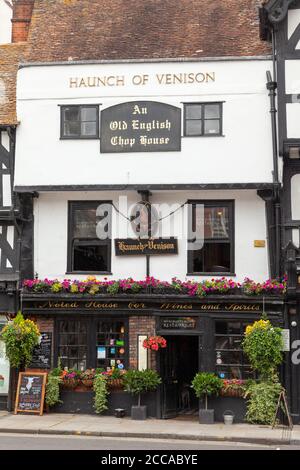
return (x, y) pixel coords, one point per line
(139, 413)
(206, 416)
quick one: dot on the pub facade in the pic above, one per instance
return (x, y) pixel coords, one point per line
(154, 183)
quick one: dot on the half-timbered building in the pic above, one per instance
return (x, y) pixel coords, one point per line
(163, 117)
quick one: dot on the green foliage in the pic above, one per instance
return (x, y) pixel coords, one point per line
(113, 288)
(263, 399)
(20, 337)
(206, 384)
(141, 381)
(263, 346)
(101, 392)
(52, 390)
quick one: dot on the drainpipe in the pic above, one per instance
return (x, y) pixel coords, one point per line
(272, 86)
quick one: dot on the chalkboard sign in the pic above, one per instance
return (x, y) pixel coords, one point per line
(31, 392)
(41, 358)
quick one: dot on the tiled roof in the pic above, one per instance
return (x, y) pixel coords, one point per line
(9, 58)
(138, 29)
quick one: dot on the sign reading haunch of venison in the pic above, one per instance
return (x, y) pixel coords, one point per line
(140, 126)
(31, 392)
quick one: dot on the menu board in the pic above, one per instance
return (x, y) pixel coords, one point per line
(41, 358)
(31, 392)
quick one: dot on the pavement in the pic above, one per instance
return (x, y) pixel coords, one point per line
(110, 426)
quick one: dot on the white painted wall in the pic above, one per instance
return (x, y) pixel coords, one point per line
(243, 155)
(50, 240)
(293, 21)
(295, 196)
(5, 22)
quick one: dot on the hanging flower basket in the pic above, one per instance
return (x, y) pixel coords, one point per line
(115, 384)
(155, 343)
(233, 388)
(70, 384)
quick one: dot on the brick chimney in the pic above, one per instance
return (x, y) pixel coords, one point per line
(22, 11)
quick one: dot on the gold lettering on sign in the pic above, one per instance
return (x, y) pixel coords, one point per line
(101, 305)
(135, 305)
(170, 306)
(89, 82)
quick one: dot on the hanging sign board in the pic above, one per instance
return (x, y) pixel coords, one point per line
(140, 126)
(41, 357)
(31, 392)
(153, 246)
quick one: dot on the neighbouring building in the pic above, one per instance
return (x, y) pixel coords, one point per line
(280, 25)
(14, 209)
(164, 116)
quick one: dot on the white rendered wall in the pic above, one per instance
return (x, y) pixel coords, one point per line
(243, 155)
(50, 240)
(5, 22)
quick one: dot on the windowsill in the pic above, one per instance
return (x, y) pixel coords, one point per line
(212, 274)
(88, 273)
(206, 135)
(79, 138)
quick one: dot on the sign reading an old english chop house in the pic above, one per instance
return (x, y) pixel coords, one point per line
(141, 126)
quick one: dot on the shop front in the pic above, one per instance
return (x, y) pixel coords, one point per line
(202, 335)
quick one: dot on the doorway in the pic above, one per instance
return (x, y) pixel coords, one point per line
(179, 364)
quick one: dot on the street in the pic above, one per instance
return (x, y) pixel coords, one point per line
(36, 442)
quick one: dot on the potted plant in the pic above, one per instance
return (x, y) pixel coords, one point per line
(87, 377)
(138, 382)
(233, 388)
(206, 384)
(70, 379)
(115, 378)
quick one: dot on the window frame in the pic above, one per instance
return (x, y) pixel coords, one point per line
(243, 365)
(81, 204)
(81, 137)
(91, 324)
(203, 104)
(230, 204)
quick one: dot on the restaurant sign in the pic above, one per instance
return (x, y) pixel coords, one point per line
(178, 323)
(140, 126)
(153, 246)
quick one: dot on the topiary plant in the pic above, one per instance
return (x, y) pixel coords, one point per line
(141, 381)
(206, 384)
(20, 337)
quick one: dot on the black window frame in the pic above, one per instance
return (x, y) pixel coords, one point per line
(91, 205)
(81, 137)
(230, 204)
(203, 104)
(90, 322)
(244, 364)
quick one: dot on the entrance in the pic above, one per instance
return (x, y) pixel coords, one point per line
(179, 364)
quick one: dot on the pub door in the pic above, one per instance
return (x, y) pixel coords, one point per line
(179, 364)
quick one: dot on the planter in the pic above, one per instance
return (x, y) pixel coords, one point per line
(235, 393)
(88, 382)
(139, 413)
(206, 416)
(115, 384)
(70, 384)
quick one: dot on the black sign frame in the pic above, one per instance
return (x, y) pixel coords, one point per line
(159, 114)
(40, 409)
(143, 250)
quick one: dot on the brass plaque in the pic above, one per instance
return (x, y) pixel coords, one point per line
(259, 243)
